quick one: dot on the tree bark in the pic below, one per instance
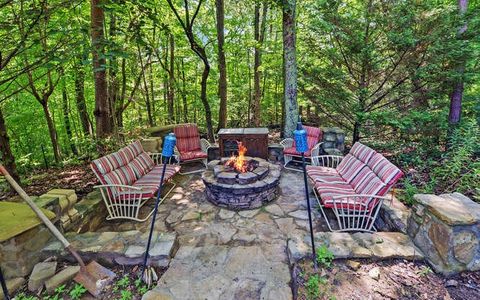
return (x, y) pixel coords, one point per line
(104, 127)
(171, 81)
(113, 85)
(80, 100)
(7, 157)
(458, 86)
(259, 33)
(66, 120)
(289, 67)
(184, 95)
(222, 65)
(52, 131)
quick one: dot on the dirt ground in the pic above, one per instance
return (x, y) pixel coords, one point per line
(398, 279)
(79, 178)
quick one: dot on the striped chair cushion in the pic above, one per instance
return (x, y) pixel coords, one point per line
(321, 171)
(145, 161)
(314, 135)
(123, 175)
(191, 155)
(362, 152)
(135, 148)
(293, 151)
(385, 170)
(107, 163)
(328, 190)
(188, 137)
(349, 167)
(152, 178)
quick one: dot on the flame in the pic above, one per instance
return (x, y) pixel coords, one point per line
(238, 162)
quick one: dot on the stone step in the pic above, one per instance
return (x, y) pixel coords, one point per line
(379, 245)
(125, 248)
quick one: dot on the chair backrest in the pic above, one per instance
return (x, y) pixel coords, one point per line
(314, 135)
(124, 166)
(367, 171)
(188, 137)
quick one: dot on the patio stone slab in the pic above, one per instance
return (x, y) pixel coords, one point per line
(379, 245)
(126, 248)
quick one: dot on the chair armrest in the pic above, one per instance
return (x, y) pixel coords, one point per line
(287, 143)
(329, 161)
(205, 145)
(316, 149)
(158, 158)
(118, 187)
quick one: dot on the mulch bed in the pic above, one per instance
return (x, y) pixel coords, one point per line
(399, 279)
(79, 178)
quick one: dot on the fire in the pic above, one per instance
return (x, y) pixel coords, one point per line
(238, 162)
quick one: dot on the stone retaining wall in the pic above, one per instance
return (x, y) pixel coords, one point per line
(447, 229)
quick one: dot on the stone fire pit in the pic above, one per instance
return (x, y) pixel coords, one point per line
(228, 188)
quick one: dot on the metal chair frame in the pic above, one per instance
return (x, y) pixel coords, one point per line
(288, 143)
(205, 145)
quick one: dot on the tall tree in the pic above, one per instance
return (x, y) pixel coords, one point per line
(104, 126)
(66, 117)
(259, 33)
(80, 97)
(199, 50)
(457, 93)
(6, 155)
(171, 80)
(289, 67)
(222, 65)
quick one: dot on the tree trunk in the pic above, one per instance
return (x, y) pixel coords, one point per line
(457, 93)
(259, 33)
(7, 157)
(121, 99)
(206, 105)
(222, 66)
(80, 100)
(171, 81)
(104, 127)
(184, 95)
(52, 131)
(66, 120)
(289, 67)
(112, 73)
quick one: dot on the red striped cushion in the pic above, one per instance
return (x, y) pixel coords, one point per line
(152, 178)
(190, 155)
(369, 184)
(362, 152)
(384, 169)
(106, 164)
(138, 167)
(321, 171)
(135, 148)
(293, 151)
(314, 135)
(188, 137)
(349, 167)
(145, 161)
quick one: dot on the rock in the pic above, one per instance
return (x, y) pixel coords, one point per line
(274, 209)
(13, 285)
(41, 272)
(374, 273)
(451, 283)
(248, 213)
(452, 211)
(191, 215)
(354, 265)
(157, 294)
(299, 214)
(439, 234)
(135, 251)
(61, 277)
(465, 246)
(226, 214)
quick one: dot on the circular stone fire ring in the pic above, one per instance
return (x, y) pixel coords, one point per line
(228, 188)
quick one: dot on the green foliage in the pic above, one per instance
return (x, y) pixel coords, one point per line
(313, 287)
(77, 291)
(324, 256)
(424, 271)
(126, 295)
(22, 296)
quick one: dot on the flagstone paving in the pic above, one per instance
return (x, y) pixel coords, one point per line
(224, 254)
